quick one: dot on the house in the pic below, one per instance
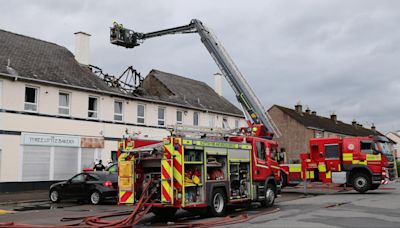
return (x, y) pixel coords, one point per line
(57, 117)
(395, 136)
(298, 126)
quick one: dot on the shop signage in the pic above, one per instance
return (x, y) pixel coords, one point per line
(50, 140)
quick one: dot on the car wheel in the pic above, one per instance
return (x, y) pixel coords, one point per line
(54, 196)
(218, 203)
(361, 182)
(270, 196)
(95, 197)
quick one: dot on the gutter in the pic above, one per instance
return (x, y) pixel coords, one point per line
(98, 91)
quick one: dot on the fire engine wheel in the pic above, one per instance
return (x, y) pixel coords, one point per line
(218, 203)
(54, 196)
(95, 197)
(375, 186)
(270, 196)
(361, 182)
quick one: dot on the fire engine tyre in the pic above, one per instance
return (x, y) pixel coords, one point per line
(54, 196)
(218, 203)
(270, 196)
(375, 186)
(361, 182)
(164, 214)
(95, 197)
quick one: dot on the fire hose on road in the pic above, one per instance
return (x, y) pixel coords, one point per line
(135, 216)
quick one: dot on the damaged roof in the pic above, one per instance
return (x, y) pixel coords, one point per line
(327, 124)
(40, 60)
(45, 62)
(185, 91)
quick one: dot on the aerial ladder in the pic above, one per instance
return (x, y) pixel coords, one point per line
(260, 123)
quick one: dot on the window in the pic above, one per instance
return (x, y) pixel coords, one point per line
(78, 178)
(161, 116)
(260, 150)
(179, 117)
(1, 93)
(118, 116)
(140, 113)
(31, 101)
(332, 151)
(225, 124)
(211, 120)
(236, 124)
(63, 103)
(92, 108)
(195, 119)
(366, 147)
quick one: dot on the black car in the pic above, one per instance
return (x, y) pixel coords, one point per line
(92, 186)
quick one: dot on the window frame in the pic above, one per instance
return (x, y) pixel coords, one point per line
(262, 149)
(177, 121)
(36, 99)
(225, 123)
(197, 115)
(211, 120)
(338, 151)
(237, 121)
(97, 107)
(119, 114)
(64, 107)
(144, 114)
(158, 116)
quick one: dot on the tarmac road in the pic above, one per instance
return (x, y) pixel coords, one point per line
(322, 208)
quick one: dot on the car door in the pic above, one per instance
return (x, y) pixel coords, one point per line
(75, 186)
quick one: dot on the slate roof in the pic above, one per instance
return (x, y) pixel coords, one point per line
(327, 124)
(186, 91)
(38, 59)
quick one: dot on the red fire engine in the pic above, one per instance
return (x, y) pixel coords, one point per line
(361, 162)
(201, 172)
(198, 172)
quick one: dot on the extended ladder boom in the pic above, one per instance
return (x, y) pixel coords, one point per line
(252, 106)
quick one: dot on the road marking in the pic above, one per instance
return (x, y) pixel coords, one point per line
(2, 212)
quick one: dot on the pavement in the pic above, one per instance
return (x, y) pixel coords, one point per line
(326, 208)
(23, 197)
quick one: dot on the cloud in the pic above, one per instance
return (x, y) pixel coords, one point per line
(339, 56)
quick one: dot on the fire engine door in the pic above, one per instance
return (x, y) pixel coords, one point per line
(261, 164)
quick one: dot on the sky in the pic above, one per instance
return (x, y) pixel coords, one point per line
(336, 56)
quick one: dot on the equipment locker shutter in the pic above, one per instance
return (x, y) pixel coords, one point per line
(36, 163)
(65, 162)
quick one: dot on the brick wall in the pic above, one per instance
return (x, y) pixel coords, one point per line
(295, 136)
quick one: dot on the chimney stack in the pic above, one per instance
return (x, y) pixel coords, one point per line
(218, 83)
(354, 123)
(308, 110)
(373, 128)
(314, 113)
(334, 117)
(82, 48)
(299, 108)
